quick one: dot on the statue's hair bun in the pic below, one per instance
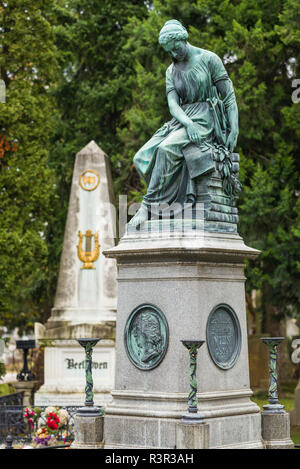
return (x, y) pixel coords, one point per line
(171, 30)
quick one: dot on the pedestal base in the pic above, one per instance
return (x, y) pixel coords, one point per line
(88, 432)
(192, 436)
(232, 432)
(273, 409)
(190, 418)
(185, 278)
(27, 387)
(276, 430)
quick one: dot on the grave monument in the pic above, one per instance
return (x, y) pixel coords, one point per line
(86, 296)
(181, 271)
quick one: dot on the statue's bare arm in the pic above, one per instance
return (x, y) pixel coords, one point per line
(225, 88)
(179, 114)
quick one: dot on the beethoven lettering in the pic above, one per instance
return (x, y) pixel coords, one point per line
(73, 365)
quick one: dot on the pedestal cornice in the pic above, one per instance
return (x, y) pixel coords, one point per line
(157, 247)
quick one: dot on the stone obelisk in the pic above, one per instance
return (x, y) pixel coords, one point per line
(86, 296)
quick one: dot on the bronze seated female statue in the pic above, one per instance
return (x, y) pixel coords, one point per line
(200, 138)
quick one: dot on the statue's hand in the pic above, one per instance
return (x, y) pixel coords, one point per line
(231, 140)
(193, 132)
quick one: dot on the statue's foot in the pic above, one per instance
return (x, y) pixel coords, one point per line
(140, 217)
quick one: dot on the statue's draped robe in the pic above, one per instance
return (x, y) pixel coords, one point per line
(161, 161)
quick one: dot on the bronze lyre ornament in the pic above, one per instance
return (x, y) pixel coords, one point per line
(89, 256)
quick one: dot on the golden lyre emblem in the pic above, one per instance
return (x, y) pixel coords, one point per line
(88, 256)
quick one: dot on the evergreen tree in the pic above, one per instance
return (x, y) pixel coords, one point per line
(27, 121)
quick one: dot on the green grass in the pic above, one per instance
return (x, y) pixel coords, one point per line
(288, 402)
(295, 435)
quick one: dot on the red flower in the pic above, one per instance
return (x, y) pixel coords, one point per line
(51, 423)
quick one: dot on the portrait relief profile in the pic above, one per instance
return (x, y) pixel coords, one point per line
(146, 336)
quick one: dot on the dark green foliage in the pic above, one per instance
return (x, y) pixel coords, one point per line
(2, 370)
(96, 77)
(27, 120)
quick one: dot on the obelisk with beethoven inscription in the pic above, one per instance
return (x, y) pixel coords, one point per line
(86, 295)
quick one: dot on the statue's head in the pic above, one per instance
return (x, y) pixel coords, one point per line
(173, 38)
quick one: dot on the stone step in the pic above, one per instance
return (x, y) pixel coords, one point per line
(220, 226)
(214, 182)
(223, 200)
(223, 208)
(217, 191)
(217, 216)
(213, 198)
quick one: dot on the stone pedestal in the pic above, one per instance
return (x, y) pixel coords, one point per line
(88, 432)
(276, 430)
(27, 387)
(192, 436)
(185, 278)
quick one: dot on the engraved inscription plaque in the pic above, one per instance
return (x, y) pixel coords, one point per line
(146, 336)
(223, 335)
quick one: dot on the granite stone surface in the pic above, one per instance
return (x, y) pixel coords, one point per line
(88, 432)
(192, 436)
(276, 431)
(185, 277)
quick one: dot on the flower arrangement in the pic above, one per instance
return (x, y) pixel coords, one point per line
(64, 417)
(50, 409)
(52, 428)
(60, 416)
(42, 436)
(52, 421)
(30, 416)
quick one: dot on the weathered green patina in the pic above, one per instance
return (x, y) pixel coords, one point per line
(192, 346)
(146, 336)
(197, 144)
(273, 344)
(88, 345)
(223, 335)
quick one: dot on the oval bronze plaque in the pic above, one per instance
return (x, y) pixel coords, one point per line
(146, 336)
(223, 335)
